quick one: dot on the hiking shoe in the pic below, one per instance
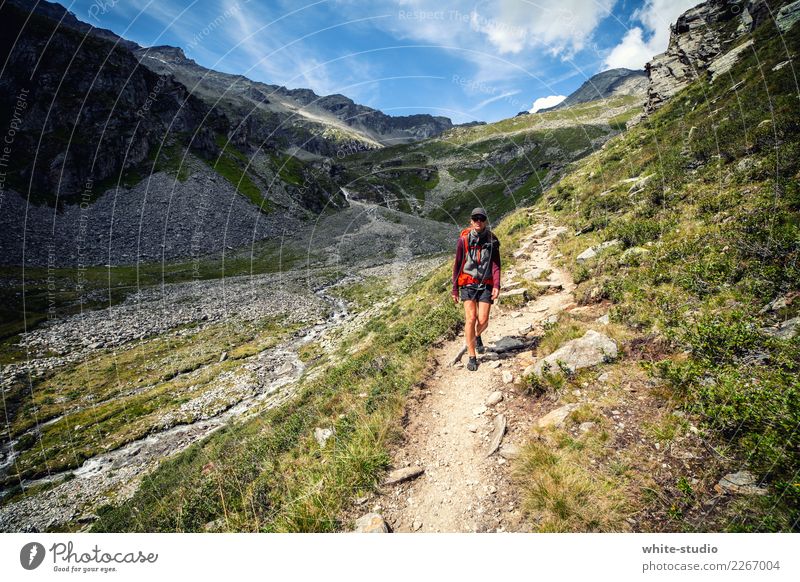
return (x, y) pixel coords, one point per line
(479, 345)
(472, 365)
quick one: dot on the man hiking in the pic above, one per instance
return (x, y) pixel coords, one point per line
(476, 279)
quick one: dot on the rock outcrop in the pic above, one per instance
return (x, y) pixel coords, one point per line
(591, 349)
(699, 37)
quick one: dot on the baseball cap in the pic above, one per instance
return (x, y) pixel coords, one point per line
(479, 212)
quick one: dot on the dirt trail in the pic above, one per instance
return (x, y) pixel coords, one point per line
(450, 423)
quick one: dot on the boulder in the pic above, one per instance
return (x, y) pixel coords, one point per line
(741, 483)
(592, 252)
(591, 349)
(371, 523)
(556, 417)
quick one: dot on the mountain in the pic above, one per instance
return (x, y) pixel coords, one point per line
(125, 154)
(611, 83)
(319, 125)
(499, 165)
(697, 39)
(677, 239)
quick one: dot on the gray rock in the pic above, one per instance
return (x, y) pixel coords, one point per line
(499, 429)
(494, 398)
(508, 343)
(788, 16)
(505, 295)
(786, 330)
(556, 417)
(591, 349)
(371, 523)
(404, 474)
(223, 356)
(696, 40)
(777, 304)
(741, 483)
(780, 65)
(604, 319)
(723, 64)
(322, 435)
(592, 252)
(509, 451)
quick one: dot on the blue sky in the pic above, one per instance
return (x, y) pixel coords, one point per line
(468, 61)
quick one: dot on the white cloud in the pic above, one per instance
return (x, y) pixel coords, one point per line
(545, 102)
(563, 27)
(656, 16)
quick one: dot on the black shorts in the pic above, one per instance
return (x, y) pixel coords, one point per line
(476, 294)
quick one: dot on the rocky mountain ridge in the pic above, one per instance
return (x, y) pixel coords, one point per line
(610, 83)
(701, 37)
(326, 120)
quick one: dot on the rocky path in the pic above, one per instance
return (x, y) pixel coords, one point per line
(458, 417)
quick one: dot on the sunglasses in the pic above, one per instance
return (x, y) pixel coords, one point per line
(479, 218)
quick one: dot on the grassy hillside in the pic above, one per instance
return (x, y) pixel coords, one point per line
(703, 198)
(500, 166)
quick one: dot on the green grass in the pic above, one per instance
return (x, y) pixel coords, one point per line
(268, 473)
(363, 294)
(561, 494)
(117, 282)
(232, 169)
(722, 240)
(121, 395)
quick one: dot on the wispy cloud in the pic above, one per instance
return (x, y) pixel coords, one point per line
(288, 59)
(486, 102)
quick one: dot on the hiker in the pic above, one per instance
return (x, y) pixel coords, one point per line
(476, 279)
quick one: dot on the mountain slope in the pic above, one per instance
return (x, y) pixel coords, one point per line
(499, 166)
(117, 163)
(295, 117)
(610, 83)
(698, 208)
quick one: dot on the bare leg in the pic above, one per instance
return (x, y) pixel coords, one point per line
(470, 316)
(482, 319)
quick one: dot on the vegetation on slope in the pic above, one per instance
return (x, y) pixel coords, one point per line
(500, 166)
(704, 200)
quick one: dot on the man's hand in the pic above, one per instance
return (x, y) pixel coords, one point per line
(455, 297)
(495, 293)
